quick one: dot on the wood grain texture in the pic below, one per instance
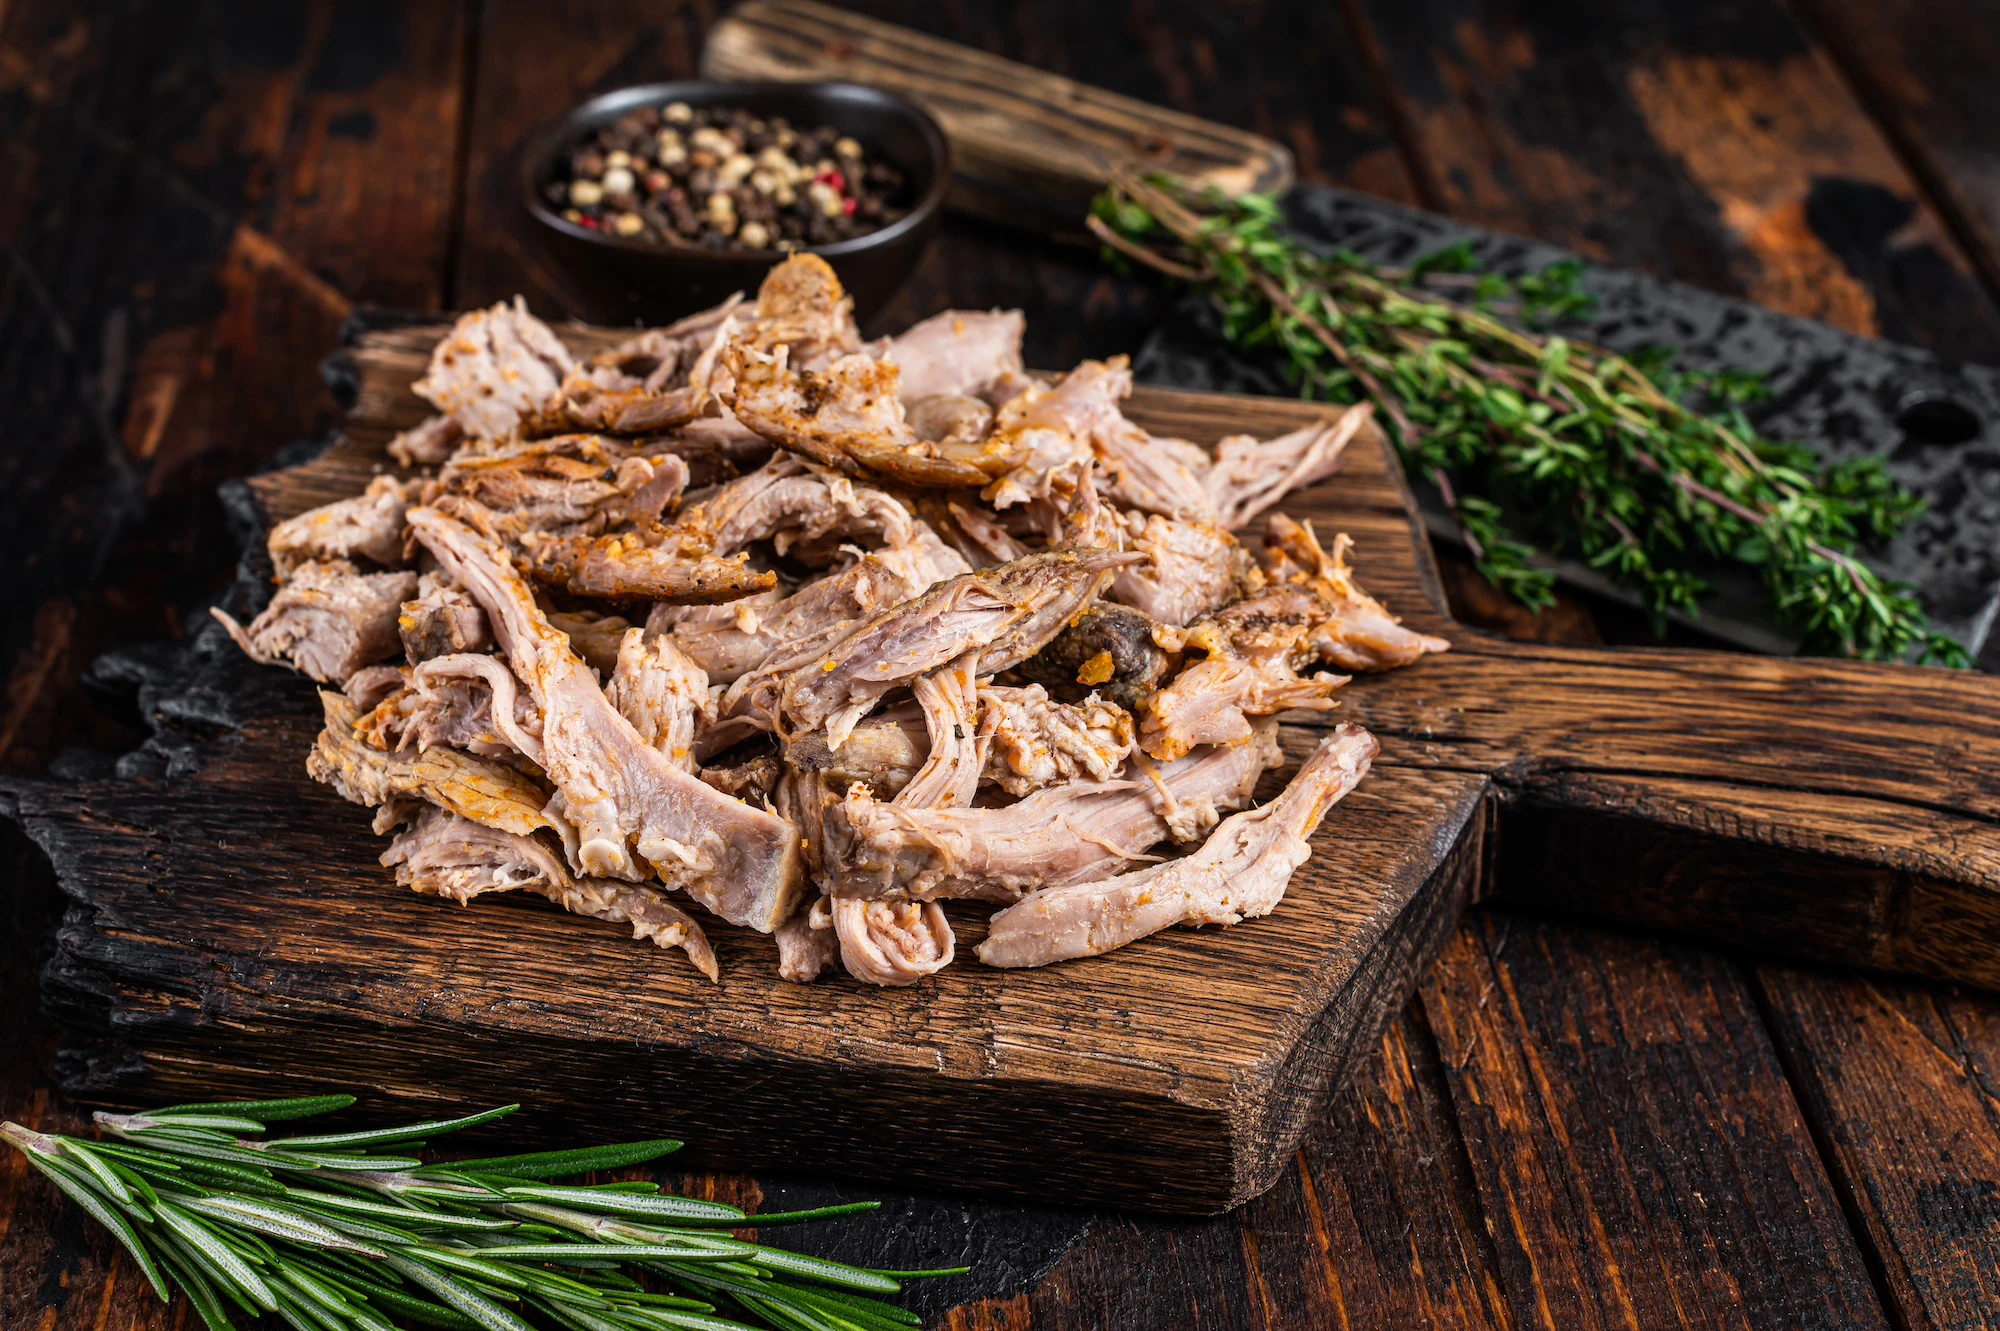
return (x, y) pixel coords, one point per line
(1699, 1203)
(1924, 69)
(1899, 1083)
(1712, 142)
(1024, 142)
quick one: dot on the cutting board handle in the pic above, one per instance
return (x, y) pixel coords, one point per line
(1832, 810)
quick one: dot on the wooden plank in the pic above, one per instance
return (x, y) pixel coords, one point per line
(1899, 1085)
(1026, 144)
(1712, 142)
(1638, 1153)
(1924, 68)
(167, 172)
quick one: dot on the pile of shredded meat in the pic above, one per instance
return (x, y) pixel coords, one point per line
(751, 616)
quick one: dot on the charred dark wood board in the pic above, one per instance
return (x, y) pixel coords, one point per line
(230, 919)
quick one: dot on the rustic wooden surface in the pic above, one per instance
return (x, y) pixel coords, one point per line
(1028, 147)
(142, 139)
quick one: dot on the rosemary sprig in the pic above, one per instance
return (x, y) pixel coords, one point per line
(1605, 451)
(335, 1232)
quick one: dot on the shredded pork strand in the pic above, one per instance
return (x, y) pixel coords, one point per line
(448, 856)
(1240, 872)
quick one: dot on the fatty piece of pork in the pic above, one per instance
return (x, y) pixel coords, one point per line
(445, 855)
(662, 693)
(1255, 650)
(327, 622)
(621, 795)
(960, 353)
(1192, 568)
(1003, 614)
(1037, 743)
(1357, 633)
(1240, 872)
(730, 641)
(368, 526)
(889, 943)
(440, 620)
(487, 792)
(1106, 649)
(1065, 834)
(1248, 476)
(495, 367)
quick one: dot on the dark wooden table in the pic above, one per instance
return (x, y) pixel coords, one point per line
(1568, 1128)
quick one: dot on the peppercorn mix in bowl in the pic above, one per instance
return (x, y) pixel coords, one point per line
(662, 199)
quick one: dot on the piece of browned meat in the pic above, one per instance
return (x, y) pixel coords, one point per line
(1038, 743)
(1248, 476)
(487, 792)
(368, 526)
(593, 635)
(1065, 834)
(1107, 649)
(1192, 568)
(1240, 872)
(1358, 633)
(802, 307)
(1003, 614)
(567, 486)
(441, 619)
(631, 809)
(848, 417)
(444, 855)
(662, 693)
(495, 367)
(624, 567)
(1255, 650)
(328, 621)
(973, 354)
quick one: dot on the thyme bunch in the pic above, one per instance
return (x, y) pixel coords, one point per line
(1604, 451)
(347, 1231)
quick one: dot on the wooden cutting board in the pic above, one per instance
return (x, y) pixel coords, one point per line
(230, 924)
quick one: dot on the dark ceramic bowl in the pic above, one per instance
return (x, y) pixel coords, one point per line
(627, 280)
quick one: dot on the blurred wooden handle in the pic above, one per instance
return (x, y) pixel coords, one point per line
(1031, 147)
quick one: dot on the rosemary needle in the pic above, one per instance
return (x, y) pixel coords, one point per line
(1603, 451)
(331, 1233)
